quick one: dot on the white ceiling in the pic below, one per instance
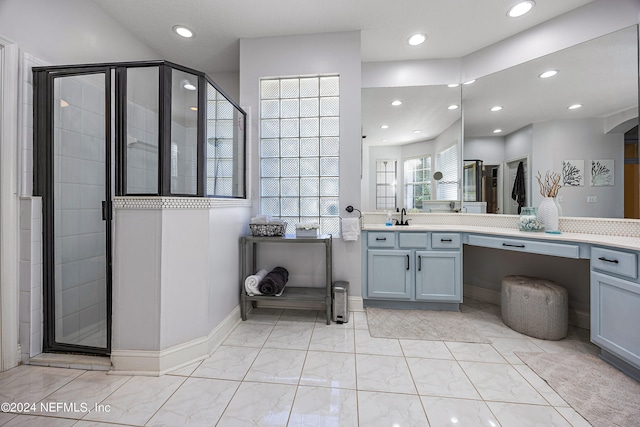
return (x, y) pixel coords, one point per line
(601, 74)
(454, 28)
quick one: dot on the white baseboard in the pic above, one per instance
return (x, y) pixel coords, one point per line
(156, 363)
(579, 318)
(482, 294)
(356, 304)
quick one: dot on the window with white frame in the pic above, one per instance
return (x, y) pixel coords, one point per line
(417, 181)
(386, 184)
(299, 150)
(447, 163)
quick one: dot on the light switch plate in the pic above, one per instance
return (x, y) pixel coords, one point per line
(592, 199)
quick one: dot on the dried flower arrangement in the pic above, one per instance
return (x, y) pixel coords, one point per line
(550, 185)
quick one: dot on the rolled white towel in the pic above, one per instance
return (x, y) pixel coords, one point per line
(251, 282)
(350, 229)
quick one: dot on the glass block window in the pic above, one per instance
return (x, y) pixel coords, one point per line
(299, 150)
(386, 184)
(447, 162)
(417, 182)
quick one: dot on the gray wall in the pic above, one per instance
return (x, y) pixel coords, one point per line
(69, 32)
(293, 56)
(580, 139)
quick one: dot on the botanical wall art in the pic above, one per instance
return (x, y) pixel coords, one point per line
(572, 173)
(602, 173)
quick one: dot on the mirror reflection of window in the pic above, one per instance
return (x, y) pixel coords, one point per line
(417, 182)
(447, 162)
(386, 184)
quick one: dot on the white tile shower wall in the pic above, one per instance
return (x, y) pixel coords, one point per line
(80, 233)
(183, 180)
(30, 317)
(30, 275)
(142, 149)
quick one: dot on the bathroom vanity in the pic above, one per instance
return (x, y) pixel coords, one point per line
(420, 266)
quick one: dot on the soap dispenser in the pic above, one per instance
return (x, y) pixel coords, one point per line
(389, 221)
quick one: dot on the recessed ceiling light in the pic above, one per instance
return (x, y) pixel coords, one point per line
(384, 140)
(417, 39)
(497, 131)
(384, 127)
(188, 85)
(417, 131)
(520, 8)
(183, 31)
(496, 108)
(470, 82)
(63, 103)
(454, 85)
(396, 102)
(193, 108)
(453, 107)
(574, 106)
(548, 74)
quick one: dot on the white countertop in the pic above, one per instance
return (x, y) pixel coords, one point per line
(630, 243)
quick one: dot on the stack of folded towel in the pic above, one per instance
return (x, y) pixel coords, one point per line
(251, 282)
(273, 283)
(265, 219)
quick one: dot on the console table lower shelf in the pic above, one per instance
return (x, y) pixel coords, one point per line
(290, 294)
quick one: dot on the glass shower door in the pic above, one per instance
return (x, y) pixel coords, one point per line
(81, 173)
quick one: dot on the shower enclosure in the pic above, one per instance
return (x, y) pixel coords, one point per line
(122, 129)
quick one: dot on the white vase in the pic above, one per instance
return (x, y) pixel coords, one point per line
(548, 214)
(555, 200)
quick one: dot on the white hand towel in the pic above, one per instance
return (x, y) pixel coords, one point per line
(251, 282)
(350, 229)
(261, 219)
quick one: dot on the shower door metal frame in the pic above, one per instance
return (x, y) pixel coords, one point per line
(43, 185)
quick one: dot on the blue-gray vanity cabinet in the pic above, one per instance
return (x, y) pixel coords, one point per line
(413, 266)
(615, 298)
(389, 274)
(438, 276)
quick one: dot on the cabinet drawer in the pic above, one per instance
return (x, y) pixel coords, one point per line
(413, 240)
(381, 240)
(617, 262)
(445, 240)
(529, 246)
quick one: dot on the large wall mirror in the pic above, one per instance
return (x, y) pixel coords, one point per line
(580, 122)
(411, 148)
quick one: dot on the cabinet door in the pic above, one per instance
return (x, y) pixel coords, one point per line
(438, 276)
(389, 274)
(615, 316)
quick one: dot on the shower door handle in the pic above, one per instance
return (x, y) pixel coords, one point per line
(107, 210)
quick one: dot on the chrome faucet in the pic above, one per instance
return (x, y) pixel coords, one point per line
(403, 221)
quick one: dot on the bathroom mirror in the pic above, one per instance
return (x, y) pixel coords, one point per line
(405, 146)
(540, 124)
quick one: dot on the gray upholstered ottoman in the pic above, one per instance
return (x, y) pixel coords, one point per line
(535, 307)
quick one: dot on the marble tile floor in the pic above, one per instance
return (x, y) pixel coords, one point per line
(287, 368)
